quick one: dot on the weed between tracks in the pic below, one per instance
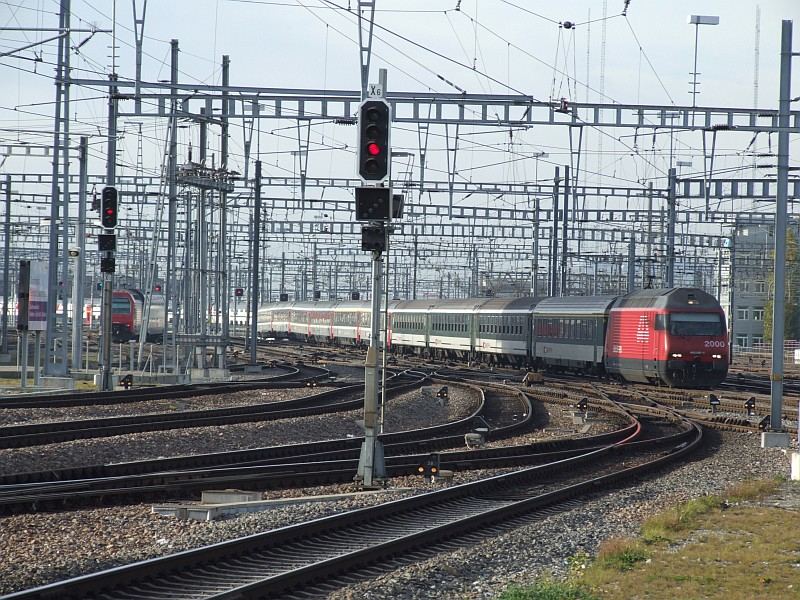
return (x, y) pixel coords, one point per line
(719, 547)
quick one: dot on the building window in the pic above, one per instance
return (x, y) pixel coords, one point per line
(741, 341)
(757, 339)
(744, 286)
(758, 313)
(760, 287)
(742, 314)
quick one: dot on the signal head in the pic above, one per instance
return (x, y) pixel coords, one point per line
(108, 208)
(374, 122)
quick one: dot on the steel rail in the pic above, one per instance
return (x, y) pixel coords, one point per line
(275, 562)
(16, 436)
(164, 392)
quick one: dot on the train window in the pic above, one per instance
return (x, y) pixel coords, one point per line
(120, 306)
(695, 324)
(661, 322)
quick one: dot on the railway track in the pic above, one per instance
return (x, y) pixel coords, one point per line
(266, 467)
(285, 562)
(297, 465)
(294, 376)
(338, 399)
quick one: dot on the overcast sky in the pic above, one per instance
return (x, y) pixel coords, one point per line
(481, 46)
(477, 46)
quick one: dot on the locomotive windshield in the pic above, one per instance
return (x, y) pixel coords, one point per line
(695, 324)
(120, 306)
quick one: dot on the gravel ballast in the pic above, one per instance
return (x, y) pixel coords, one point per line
(410, 410)
(25, 416)
(40, 548)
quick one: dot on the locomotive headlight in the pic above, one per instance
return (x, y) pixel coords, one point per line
(716, 356)
(677, 355)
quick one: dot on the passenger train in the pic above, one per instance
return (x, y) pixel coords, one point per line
(127, 312)
(671, 336)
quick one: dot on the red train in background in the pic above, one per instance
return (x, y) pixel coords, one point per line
(127, 310)
(674, 337)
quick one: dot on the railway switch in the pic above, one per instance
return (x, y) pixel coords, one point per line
(750, 406)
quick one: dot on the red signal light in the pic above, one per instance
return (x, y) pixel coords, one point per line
(373, 149)
(108, 216)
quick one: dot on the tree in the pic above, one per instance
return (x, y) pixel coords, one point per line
(791, 317)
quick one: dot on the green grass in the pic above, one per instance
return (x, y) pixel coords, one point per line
(724, 547)
(671, 523)
(548, 590)
(620, 554)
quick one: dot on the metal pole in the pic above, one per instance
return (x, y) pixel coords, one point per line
(80, 264)
(694, 72)
(64, 329)
(386, 315)
(223, 221)
(371, 460)
(52, 267)
(314, 270)
(283, 273)
(554, 240)
(649, 256)
(732, 291)
(778, 308)
(564, 222)
(414, 274)
(106, 384)
(535, 249)
(6, 266)
(37, 358)
(255, 270)
(202, 227)
(22, 336)
(631, 264)
(671, 229)
(188, 295)
(172, 198)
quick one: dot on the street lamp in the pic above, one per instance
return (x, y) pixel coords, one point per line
(698, 20)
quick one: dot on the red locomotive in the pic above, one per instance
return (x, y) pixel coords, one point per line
(127, 310)
(676, 336)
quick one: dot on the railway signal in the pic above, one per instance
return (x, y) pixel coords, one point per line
(583, 405)
(108, 264)
(373, 237)
(430, 468)
(714, 402)
(238, 292)
(109, 208)
(442, 395)
(750, 405)
(106, 242)
(374, 117)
